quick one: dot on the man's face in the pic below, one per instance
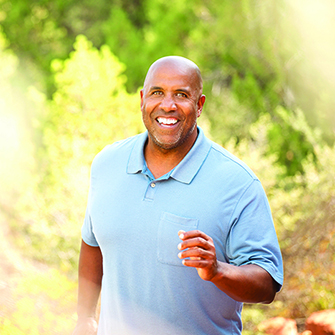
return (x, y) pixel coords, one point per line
(171, 102)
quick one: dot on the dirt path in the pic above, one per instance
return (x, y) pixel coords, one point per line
(34, 298)
(11, 266)
(14, 267)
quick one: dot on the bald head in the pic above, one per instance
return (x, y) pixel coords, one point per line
(176, 64)
(171, 102)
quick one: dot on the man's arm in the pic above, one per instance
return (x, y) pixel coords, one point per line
(90, 276)
(246, 283)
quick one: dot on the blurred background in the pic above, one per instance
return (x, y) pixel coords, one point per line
(70, 74)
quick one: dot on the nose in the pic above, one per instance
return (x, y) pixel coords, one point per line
(168, 104)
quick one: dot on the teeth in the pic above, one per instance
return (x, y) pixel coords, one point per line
(163, 120)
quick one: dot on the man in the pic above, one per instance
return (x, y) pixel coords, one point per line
(178, 232)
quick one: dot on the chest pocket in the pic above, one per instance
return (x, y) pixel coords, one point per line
(168, 239)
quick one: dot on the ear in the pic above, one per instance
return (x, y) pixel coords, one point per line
(201, 103)
(141, 94)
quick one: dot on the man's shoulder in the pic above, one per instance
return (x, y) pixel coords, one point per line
(228, 161)
(116, 150)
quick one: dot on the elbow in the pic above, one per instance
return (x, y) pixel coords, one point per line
(271, 293)
(269, 299)
(266, 299)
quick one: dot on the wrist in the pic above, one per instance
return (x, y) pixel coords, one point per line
(86, 326)
(85, 317)
(221, 273)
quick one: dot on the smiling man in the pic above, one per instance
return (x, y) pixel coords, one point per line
(171, 102)
(178, 232)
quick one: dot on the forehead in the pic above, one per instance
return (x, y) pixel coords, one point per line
(171, 76)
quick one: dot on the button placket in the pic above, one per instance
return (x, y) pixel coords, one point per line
(150, 192)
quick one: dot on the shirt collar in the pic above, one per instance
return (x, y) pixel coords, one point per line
(186, 170)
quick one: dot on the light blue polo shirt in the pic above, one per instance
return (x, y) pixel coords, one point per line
(135, 220)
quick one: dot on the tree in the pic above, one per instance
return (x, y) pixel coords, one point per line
(89, 109)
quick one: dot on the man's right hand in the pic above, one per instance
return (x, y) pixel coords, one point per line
(90, 277)
(88, 326)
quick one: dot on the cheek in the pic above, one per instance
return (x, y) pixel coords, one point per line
(146, 116)
(144, 109)
(148, 107)
(192, 114)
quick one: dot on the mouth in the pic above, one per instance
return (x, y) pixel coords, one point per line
(166, 121)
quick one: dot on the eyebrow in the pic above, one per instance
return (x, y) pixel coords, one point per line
(153, 88)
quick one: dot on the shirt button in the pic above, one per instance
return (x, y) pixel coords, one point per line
(152, 185)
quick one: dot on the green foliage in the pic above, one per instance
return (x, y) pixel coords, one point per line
(264, 103)
(292, 140)
(89, 110)
(162, 29)
(250, 52)
(303, 212)
(308, 244)
(15, 127)
(8, 62)
(236, 47)
(40, 31)
(252, 317)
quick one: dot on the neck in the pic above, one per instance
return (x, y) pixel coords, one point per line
(160, 161)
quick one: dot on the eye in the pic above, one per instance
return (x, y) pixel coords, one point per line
(157, 93)
(181, 95)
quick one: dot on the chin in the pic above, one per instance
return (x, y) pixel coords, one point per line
(166, 145)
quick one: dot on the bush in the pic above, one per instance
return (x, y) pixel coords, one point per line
(303, 208)
(89, 110)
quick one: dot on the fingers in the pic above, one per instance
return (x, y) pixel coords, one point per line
(194, 258)
(184, 235)
(198, 251)
(195, 238)
(196, 246)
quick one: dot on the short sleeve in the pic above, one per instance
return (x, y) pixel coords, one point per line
(252, 238)
(87, 230)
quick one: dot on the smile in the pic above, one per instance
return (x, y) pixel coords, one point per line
(167, 121)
